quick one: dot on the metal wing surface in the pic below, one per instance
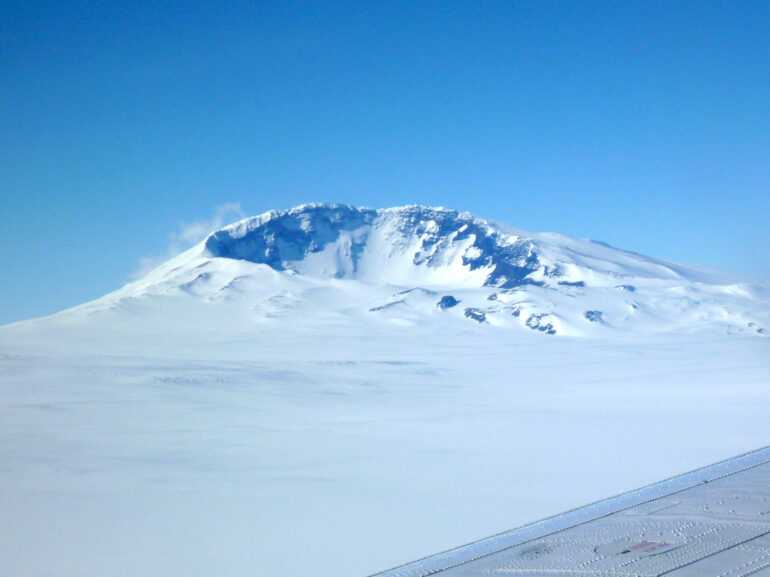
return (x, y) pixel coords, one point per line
(714, 521)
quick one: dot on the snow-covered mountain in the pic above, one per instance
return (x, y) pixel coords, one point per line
(334, 391)
(415, 264)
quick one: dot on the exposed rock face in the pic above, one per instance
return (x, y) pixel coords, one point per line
(447, 302)
(363, 240)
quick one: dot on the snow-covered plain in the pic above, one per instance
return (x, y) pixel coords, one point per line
(321, 415)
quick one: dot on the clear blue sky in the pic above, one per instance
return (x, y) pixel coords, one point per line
(642, 124)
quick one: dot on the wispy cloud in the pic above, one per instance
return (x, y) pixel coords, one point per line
(188, 234)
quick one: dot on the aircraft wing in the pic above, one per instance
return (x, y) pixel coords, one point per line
(714, 521)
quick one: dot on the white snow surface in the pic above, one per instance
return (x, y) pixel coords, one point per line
(287, 398)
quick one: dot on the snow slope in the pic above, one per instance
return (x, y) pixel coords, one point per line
(310, 408)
